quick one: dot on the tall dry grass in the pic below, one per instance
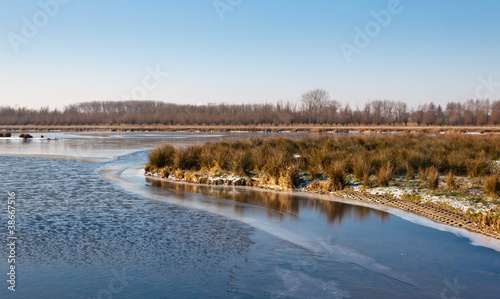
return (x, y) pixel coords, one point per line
(161, 156)
(336, 172)
(433, 177)
(492, 185)
(451, 183)
(384, 174)
(363, 156)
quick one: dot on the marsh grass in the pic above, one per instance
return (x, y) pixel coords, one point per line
(363, 156)
(241, 163)
(410, 170)
(161, 156)
(451, 183)
(385, 174)
(363, 169)
(336, 173)
(433, 178)
(423, 173)
(492, 185)
(289, 178)
(187, 158)
(479, 166)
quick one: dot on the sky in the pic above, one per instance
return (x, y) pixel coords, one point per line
(58, 52)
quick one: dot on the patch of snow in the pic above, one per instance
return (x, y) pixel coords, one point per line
(426, 196)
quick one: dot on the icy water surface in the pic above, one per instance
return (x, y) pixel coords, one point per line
(97, 228)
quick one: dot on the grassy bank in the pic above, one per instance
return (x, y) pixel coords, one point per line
(367, 129)
(453, 171)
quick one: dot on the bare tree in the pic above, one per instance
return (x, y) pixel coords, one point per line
(314, 101)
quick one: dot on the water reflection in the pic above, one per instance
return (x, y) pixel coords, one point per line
(68, 215)
(282, 202)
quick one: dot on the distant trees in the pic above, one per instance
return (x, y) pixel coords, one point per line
(315, 107)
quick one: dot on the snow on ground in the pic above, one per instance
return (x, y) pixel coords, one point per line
(457, 202)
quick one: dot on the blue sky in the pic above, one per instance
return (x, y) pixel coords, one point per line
(248, 51)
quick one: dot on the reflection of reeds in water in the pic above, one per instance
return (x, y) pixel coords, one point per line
(284, 203)
(335, 212)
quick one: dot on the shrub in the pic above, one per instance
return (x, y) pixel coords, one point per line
(492, 185)
(384, 174)
(362, 168)
(187, 158)
(240, 163)
(276, 161)
(450, 181)
(410, 171)
(207, 161)
(161, 156)
(314, 160)
(289, 178)
(336, 172)
(456, 162)
(222, 156)
(423, 173)
(479, 166)
(433, 180)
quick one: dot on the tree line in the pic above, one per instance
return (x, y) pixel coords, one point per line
(314, 107)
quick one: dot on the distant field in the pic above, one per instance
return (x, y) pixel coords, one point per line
(255, 128)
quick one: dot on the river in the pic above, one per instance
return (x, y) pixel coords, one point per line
(90, 225)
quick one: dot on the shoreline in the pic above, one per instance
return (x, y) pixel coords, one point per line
(254, 128)
(433, 213)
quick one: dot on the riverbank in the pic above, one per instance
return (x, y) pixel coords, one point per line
(253, 128)
(434, 212)
(450, 178)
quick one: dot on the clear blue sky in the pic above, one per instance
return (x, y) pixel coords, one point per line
(258, 51)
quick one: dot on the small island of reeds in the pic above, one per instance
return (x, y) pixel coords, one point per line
(445, 177)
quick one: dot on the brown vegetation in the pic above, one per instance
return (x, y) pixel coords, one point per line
(284, 163)
(492, 185)
(315, 108)
(336, 173)
(451, 183)
(433, 178)
(363, 156)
